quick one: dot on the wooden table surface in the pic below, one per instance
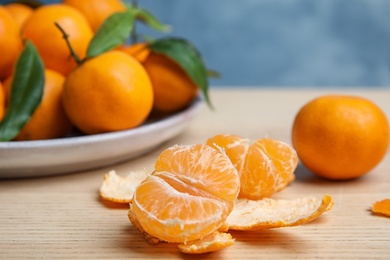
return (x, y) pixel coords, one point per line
(62, 217)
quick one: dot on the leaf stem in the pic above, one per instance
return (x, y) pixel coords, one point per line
(66, 37)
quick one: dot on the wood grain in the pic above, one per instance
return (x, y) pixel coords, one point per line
(62, 217)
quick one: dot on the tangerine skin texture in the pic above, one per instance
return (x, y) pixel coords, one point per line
(2, 102)
(340, 137)
(49, 120)
(48, 39)
(10, 43)
(173, 89)
(97, 11)
(110, 92)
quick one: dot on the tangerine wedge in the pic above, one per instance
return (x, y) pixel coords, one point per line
(188, 196)
(264, 166)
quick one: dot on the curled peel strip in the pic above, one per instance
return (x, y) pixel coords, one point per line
(270, 213)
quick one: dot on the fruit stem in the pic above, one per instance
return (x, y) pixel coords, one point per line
(66, 37)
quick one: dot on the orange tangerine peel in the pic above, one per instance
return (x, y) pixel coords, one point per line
(210, 243)
(119, 188)
(268, 213)
(381, 208)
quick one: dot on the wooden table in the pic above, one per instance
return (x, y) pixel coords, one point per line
(62, 217)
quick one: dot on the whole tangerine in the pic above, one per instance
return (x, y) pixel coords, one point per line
(109, 92)
(340, 137)
(49, 120)
(40, 28)
(173, 88)
(20, 12)
(97, 11)
(10, 43)
(2, 102)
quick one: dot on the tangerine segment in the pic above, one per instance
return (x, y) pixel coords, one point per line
(213, 242)
(258, 178)
(188, 196)
(269, 213)
(382, 207)
(177, 215)
(202, 167)
(284, 159)
(265, 166)
(269, 167)
(118, 188)
(234, 146)
(134, 220)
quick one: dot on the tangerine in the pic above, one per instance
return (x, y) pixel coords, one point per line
(188, 196)
(140, 51)
(96, 11)
(109, 92)
(10, 43)
(49, 119)
(340, 137)
(19, 12)
(173, 89)
(40, 28)
(2, 102)
(265, 166)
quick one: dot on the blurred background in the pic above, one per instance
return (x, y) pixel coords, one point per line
(284, 42)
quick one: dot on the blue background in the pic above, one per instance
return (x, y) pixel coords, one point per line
(284, 42)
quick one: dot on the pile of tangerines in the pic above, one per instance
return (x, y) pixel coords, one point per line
(70, 66)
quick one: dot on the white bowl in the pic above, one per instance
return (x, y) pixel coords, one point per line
(80, 153)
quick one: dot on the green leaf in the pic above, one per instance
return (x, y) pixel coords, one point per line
(150, 20)
(26, 92)
(186, 56)
(112, 33)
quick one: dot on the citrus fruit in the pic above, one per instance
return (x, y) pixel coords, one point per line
(233, 146)
(96, 11)
(2, 102)
(265, 166)
(140, 51)
(40, 28)
(19, 12)
(340, 137)
(6, 89)
(10, 43)
(188, 196)
(49, 119)
(109, 92)
(173, 89)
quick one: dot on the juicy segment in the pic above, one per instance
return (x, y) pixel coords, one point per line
(269, 167)
(201, 167)
(257, 178)
(284, 159)
(234, 146)
(264, 166)
(190, 194)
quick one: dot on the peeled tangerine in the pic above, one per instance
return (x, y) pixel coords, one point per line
(191, 197)
(265, 166)
(188, 196)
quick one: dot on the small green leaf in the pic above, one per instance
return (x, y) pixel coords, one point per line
(150, 20)
(112, 33)
(187, 56)
(26, 92)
